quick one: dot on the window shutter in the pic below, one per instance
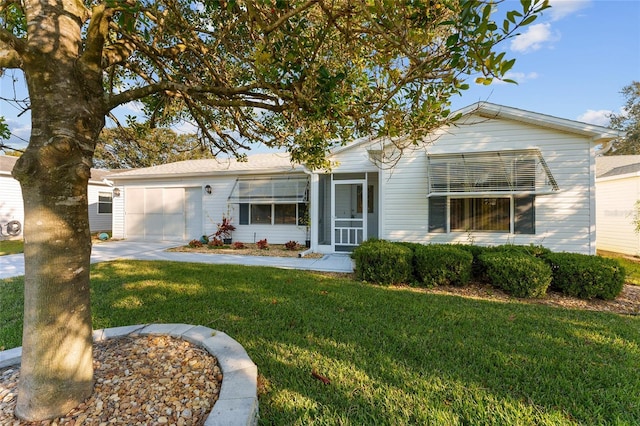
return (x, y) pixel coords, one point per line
(244, 214)
(525, 214)
(438, 214)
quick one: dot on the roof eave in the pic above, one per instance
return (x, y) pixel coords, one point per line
(213, 173)
(597, 134)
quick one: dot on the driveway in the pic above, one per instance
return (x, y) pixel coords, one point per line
(13, 265)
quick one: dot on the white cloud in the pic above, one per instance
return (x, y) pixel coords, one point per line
(519, 77)
(562, 8)
(533, 39)
(599, 117)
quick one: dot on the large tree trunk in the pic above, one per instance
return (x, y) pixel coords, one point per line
(67, 115)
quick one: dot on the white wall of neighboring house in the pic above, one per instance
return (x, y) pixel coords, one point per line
(616, 197)
(12, 208)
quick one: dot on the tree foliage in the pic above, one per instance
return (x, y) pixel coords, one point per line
(138, 146)
(296, 74)
(628, 121)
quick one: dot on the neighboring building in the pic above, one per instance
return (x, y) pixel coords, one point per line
(499, 175)
(99, 196)
(617, 191)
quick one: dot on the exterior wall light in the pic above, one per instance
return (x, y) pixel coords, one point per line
(116, 192)
(207, 189)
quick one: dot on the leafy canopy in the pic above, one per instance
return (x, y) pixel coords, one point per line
(629, 122)
(299, 74)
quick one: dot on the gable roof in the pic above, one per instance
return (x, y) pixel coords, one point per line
(597, 134)
(256, 163)
(615, 165)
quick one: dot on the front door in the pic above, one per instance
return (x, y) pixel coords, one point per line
(348, 221)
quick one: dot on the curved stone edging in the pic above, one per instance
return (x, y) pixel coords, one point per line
(237, 402)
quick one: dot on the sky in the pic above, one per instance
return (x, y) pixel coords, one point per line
(572, 63)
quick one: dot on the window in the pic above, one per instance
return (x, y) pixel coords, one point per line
(499, 172)
(261, 214)
(486, 214)
(284, 214)
(270, 190)
(480, 214)
(272, 214)
(105, 203)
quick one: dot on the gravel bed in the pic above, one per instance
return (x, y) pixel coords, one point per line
(140, 380)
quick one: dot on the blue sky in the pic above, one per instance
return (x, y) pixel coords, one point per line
(571, 63)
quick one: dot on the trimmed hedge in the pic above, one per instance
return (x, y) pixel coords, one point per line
(519, 274)
(383, 262)
(442, 264)
(585, 276)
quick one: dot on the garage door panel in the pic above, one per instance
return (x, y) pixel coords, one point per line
(155, 213)
(153, 200)
(174, 201)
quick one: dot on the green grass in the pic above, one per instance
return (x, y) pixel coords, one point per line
(631, 266)
(394, 356)
(11, 247)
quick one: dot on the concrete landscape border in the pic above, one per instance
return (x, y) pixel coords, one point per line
(237, 404)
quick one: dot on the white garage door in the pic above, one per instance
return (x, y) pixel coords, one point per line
(155, 214)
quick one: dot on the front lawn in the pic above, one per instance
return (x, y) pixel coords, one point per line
(393, 356)
(631, 266)
(11, 247)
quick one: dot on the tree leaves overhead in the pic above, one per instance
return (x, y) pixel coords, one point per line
(300, 74)
(139, 146)
(628, 121)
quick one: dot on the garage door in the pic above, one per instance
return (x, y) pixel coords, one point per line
(155, 214)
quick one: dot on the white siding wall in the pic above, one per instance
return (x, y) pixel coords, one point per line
(213, 207)
(564, 221)
(98, 221)
(11, 207)
(616, 198)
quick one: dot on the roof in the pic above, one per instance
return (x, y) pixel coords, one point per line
(256, 163)
(597, 134)
(7, 162)
(614, 165)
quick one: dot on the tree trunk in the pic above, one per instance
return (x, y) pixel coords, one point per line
(67, 115)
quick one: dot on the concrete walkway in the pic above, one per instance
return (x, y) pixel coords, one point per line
(13, 265)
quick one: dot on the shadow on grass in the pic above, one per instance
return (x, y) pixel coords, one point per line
(392, 356)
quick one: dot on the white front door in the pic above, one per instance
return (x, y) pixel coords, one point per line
(348, 224)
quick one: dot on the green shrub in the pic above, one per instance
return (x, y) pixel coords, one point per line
(441, 264)
(517, 273)
(478, 271)
(585, 276)
(383, 262)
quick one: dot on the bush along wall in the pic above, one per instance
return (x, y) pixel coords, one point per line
(383, 262)
(441, 264)
(522, 271)
(586, 277)
(518, 274)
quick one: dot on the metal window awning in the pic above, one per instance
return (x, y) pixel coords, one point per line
(285, 189)
(495, 172)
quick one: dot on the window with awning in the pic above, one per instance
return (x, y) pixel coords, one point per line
(498, 172)
(285, 189)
